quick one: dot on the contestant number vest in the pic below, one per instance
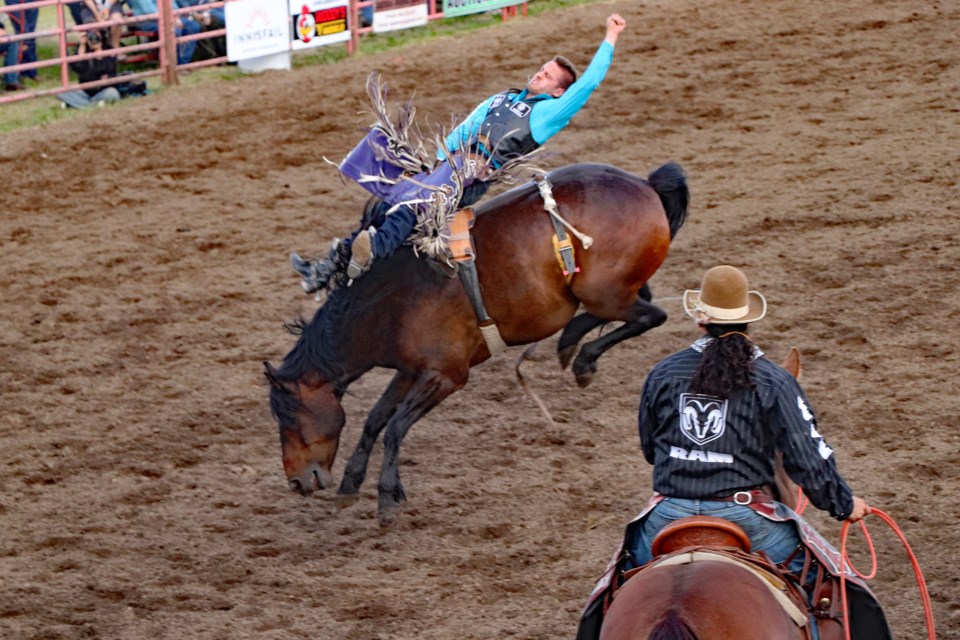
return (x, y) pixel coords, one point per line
(505, 132)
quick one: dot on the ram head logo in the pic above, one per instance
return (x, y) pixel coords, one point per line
(702, 418)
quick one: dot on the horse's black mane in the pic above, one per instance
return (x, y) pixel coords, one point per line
(316, 342)
(314, 351)
(319, 338)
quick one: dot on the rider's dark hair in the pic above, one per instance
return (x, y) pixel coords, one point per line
(726, 365)
(569, 67)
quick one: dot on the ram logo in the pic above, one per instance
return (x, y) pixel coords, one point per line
(702, 418)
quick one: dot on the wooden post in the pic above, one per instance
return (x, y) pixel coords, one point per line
(168, 51)
(62, 42)
(353, 21)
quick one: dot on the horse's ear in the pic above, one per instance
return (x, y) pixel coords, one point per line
(784, 489)
(270, 373)
(792, 363)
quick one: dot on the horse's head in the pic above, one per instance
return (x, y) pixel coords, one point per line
(310, 417)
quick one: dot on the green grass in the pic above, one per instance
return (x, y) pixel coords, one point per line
(43, 110)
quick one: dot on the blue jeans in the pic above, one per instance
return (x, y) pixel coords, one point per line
(394, 230)
(777, 539)
(25, 21)
(78, 98)
(185, 49)
(10, 52)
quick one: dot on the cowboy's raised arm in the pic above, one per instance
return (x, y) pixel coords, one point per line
(615, 26)
(550, 116)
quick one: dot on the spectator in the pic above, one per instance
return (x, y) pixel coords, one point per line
(185, 26)
(75, 7)
(100, 11)
(9, 51)
(90, 71)
(209, 20)
(25, 21)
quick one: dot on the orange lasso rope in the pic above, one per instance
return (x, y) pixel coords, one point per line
(802, 502)
(918, 573)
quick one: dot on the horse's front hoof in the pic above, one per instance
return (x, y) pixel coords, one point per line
(387, 514)
(345, 500)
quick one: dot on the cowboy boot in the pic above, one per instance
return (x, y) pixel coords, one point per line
(361, 254)
(316, 275)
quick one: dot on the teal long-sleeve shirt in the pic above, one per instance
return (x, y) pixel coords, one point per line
(548, 117)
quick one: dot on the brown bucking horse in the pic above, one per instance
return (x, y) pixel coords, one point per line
(408, 316)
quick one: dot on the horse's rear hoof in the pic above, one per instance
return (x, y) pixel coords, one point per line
(566, 355)
(584, 372)
(584, 380)
(584, 368)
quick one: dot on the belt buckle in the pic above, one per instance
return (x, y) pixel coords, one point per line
(743, 498)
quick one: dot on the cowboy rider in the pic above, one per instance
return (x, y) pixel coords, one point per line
(505, 126)
(712, 417)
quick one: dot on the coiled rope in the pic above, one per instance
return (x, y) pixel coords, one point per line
(917, 572)
(803, 501)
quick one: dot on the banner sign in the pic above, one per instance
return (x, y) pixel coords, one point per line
(453, 8)
(316, 23)
(256, 28)
(391, 15)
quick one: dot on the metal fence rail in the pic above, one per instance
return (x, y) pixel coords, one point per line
(163, 44)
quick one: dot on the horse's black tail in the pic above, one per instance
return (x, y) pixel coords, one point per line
(671, 627)
(670, 183)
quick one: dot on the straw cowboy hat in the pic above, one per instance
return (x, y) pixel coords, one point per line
(724, 298)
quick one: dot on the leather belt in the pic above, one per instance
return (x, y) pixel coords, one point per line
(745, 497)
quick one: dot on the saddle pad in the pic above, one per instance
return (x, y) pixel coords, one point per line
(776, 586)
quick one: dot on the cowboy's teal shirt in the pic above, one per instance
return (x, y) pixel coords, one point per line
(549, 116)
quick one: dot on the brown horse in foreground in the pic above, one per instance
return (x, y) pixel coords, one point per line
(407, 316)
(699, 601)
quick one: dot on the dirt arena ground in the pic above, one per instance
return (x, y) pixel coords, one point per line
(144, 279)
